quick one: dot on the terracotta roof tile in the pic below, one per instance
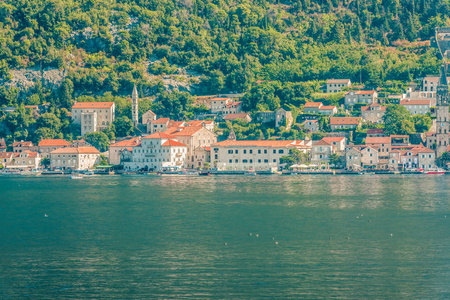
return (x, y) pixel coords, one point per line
(76, 150)
(415, 102)
(236, 116)
(133, 142)
(172, 143)
(161, 121)
(93, 105)
(328, 107)
(378, 140)
(158, 135)
(313, 104)
(345, 120)
(332, 81)
(54, 142)
(253, 143)
(333, 139)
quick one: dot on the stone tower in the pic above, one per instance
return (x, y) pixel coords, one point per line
(135, 107)
(442, 114)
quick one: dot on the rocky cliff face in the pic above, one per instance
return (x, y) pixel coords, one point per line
(26, 78)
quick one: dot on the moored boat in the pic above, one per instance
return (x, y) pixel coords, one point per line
(154, 174)
(435, 172)
(188, 173)
(204, 173)
(75, 177)
(250, 173)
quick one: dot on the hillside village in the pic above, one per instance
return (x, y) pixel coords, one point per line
(333, 136)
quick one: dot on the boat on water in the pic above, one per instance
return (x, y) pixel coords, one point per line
(204, 173)
(10, 173)
(154, 174)
(188, 173)
(52, 173)
(88, 173)
(434, 172)
(250, 173)
(75, 177)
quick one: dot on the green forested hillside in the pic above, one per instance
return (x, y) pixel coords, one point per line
(106, 46)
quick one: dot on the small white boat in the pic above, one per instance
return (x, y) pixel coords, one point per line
(435, 172)
(88, 173)
(188, 173)
(75, 177)
(250, 173)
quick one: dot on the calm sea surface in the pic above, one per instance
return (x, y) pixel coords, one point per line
(226, 237)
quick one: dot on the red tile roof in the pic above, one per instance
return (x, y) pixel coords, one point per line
(253, 143)
(364, 108)
(133, 142)
(93, 105)
(236, 116)
(54, 142)
(6, 154)
(159, 135)
(31, 153)
(175, 123)
(375, 131)
(187, 131)
(365, 92)
(328, 107)
(330, 81)
(220, 99)
(333, 139)
(172, 143)
(378, 140)
(23, 144)
(313, 104)
(399, 136)
(415, 102)
(345, 120)
(76, 150)
(322, 143)
(161, 121)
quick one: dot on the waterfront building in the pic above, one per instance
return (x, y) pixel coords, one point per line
(353, 97)
(361, 156)
(26, 160)
(116, 149)
(202, 156)
(135, 107)
(336, 85)
(24, 146)
(321, 152)
(261, 155)
(416, 106)
(93, 116)
(74, 158)
(337, 143)
(46, 146)
(156, 152)
(416, 157)
(373, 113)
(6, 158)
(337, 123)
(193, 137)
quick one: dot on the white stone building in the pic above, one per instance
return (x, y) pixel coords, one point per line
(416, 107)
(116, 149)
(253, 155)
(74, 158)
(353, 97)
(157, 152)
(336, 85)
(373, 113)
(93, 116)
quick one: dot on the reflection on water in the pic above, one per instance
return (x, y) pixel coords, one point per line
(225, 237)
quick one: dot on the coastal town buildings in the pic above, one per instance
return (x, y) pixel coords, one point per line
(373, 113)
(328, 110)
(116, 149)
(46, 146)
(156, 152)
(93, 116)
(193, 137)
(336, 85)
(225, 106)
(20, 160)
(252, 155)
(442, 115)
(74, 158)
(338, 123)
(321, 152)
(360, 157)
(353, 97)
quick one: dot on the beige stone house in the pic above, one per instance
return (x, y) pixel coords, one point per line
(373, 113)
(93, 116)
(336, 85)
(338, 123)
(116, 149)
(74, 158)
(48, 145)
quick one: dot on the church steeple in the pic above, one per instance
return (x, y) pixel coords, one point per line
(135, 107)
(442, 114)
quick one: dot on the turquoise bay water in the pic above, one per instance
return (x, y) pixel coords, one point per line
(351, 237)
